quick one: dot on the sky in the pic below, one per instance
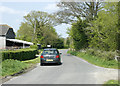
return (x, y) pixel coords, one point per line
(11, 13)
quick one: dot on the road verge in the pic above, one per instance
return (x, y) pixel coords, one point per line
(96, 60)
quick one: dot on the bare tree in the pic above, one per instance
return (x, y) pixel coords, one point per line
(71, 11)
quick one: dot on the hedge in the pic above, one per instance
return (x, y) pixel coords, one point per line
(21, 54)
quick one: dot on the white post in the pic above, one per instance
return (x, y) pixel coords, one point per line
(23, 45)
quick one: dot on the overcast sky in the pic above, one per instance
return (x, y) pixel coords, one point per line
(12, 13)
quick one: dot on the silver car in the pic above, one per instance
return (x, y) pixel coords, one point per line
(50, 55)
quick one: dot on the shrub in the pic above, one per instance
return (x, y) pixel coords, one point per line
(21, 54)
(34, 46)
(10, 67)
(90, 51)
(73, 52)
(112, 83)
(108, 55)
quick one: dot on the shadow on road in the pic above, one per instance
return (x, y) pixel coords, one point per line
(51, 64)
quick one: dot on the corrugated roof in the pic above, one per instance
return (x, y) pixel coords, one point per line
(4, 29)
(20, 41)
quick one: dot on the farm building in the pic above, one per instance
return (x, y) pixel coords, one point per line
(7, 39)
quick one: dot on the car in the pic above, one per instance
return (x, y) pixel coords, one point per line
(50, 55)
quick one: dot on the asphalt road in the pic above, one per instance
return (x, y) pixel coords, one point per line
(73, 70)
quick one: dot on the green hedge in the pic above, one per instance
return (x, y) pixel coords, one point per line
(21, 54)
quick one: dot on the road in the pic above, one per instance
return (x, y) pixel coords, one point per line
(73, 70)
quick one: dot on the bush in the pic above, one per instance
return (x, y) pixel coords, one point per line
(73, 52)
(108, 55)
(34, 46)
(112, 83)
(10, 67)
(21, 54)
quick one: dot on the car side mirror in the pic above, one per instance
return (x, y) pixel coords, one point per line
(60, 53)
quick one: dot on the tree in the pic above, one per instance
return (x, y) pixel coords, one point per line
(77, 33)
(118, 35)
(59, 43)
(103, 31)
(39, 21)
(38, 28)
(25, 32)
(68, 41)
(71, 11)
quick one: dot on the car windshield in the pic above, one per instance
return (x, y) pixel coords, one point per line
(49, 52)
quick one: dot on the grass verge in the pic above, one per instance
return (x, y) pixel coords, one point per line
(96, 60)
(112, 83)
(10, 67)
(32, 61)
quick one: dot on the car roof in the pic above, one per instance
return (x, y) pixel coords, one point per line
(50, 49)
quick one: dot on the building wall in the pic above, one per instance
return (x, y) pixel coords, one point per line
(2, 42)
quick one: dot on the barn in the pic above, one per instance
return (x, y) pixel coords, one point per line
(8, 41)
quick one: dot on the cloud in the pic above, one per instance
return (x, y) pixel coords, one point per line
(9, 12)
(4, 9)
(52, 7)
(0, 19)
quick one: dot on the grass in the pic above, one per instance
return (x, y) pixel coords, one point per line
(32, 61)
(10, 67)
(96, 60)
(112, 83)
